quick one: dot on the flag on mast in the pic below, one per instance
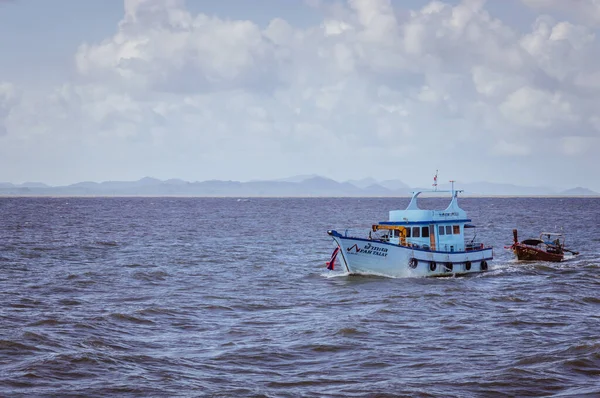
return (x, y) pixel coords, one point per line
(435, 180)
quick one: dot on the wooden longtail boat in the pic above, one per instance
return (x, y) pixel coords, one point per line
(549, 247)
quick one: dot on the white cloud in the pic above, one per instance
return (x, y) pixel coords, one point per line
(561, 49)
(175, 94)
(537, 109)
(585, 11)
(335, 28)
(161, 46)
(379, 24)
(495, 84)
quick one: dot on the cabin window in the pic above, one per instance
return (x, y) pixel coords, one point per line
(456, 229)
(396, 233)
(441, 230)
(448, 230)
(416, 232)
(408, 232)
(425, 232)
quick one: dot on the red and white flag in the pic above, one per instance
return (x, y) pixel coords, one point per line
(331, 262)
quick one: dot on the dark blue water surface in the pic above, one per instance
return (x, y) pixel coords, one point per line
(230, 297)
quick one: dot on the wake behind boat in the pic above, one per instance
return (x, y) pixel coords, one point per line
(415, 242)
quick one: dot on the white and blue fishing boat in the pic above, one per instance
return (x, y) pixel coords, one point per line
(414, 242)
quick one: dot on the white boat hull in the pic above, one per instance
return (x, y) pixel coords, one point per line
(364, 256)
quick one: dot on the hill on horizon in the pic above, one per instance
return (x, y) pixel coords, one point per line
(302, 185)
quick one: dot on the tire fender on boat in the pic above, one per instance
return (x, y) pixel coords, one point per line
(413, 262)
(484, 265)
(468, 266)
(448, 267)
(432, 266)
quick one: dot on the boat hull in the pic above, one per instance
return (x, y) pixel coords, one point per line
(364, 256)
(528, 253)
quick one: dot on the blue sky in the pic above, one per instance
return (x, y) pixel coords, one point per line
(503, 91)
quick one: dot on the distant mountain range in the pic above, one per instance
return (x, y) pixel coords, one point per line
(298, 186)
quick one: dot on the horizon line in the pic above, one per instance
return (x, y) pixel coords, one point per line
(308, 177)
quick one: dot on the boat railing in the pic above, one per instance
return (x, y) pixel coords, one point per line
(354, 233)
(474, 246)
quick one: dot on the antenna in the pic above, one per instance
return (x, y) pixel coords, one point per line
(452, 181)
(435, 181)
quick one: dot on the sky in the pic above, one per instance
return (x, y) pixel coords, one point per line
(503, 91)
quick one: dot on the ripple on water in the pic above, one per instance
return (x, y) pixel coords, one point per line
(349, 331)
(156, 276)
(12, 348)
(127, 318)
(46, 322)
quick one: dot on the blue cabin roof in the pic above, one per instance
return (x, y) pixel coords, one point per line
(414, 215)
(438, 230)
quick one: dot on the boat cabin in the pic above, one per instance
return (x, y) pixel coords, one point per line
(439, 230)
